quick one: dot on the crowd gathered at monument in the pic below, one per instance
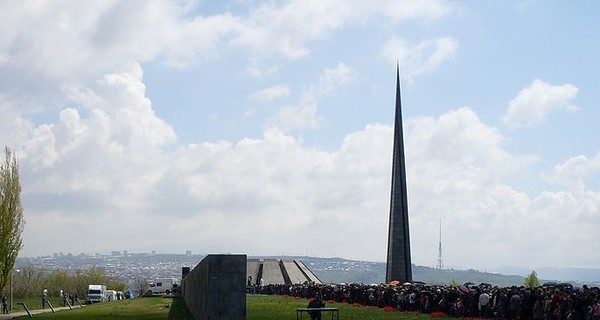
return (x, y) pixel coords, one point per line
(548, 302)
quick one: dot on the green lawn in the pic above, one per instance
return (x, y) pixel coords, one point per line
(258, 308)
(277, 307)
(152, 308)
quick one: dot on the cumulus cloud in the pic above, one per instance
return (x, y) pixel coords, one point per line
(458, 170)
(456, 164)
(286, 28)
(14, 124)
(577, 173)
(293, 117)
(420, 58)
(106, 145)
(269, 94)
(533, 103)
(65, 40)
(105, 162)
(335, 77)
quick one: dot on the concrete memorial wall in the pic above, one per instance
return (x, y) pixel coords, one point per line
(216, 288)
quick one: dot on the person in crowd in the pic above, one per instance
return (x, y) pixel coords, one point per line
(596, 309)
(4, 305)
(316, 303)
(538, 309)
(44, 296)
(548, 303)
(484, 300)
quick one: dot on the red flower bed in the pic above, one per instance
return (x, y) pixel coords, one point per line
(356, 304)
(389, 309)
(438, 315)
(330, 301)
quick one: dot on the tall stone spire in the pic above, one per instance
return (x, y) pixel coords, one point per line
(398, 255)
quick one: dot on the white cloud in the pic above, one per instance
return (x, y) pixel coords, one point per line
(271, 93)
(110, 145)
(106, 164)
(305, 115)
(536, 101)
(421, 58)
(415, 9)
(293, 117)
(457, 170)
(14, 125)
(335, 77)
(577, 173)
(73, 40)
(285, 29)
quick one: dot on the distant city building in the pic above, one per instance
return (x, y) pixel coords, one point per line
(115, 253)
(188, 252)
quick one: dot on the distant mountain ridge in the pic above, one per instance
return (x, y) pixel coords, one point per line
(338, 270)
(329, 270)
(559, 274)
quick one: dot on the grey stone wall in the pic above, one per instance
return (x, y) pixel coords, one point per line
(216, 288)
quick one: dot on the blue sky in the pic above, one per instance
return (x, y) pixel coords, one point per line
(265, 127)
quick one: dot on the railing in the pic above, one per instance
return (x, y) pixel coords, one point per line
(333, 311)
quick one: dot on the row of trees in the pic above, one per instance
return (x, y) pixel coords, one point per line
(30, 281)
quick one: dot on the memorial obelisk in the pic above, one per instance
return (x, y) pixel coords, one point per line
(398, 254)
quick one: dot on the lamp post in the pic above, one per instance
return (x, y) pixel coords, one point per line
(11, 288)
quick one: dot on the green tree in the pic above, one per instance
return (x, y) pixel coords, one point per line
(96, 275)
(140, 285)
(532, 280)
(11, 215)
(117, 285)
(29, 281)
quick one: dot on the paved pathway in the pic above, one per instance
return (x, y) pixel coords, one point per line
(33, 312)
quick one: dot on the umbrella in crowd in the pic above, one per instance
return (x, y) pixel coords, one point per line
(463, 289)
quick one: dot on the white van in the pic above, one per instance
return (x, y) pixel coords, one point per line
(96, 293)
(164, 286)
(111, 295)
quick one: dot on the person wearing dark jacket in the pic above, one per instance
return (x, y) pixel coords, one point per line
(316, 303)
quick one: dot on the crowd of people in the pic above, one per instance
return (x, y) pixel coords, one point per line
(548, 302)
